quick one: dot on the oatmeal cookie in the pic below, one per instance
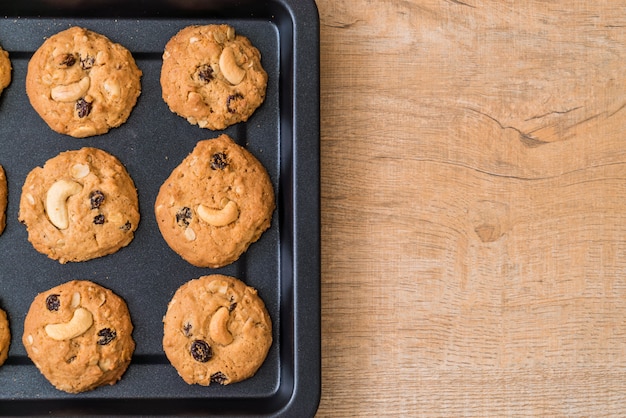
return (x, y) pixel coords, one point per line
(80, 205)
(212, 76)
(216, 330)
(5, 69)
(81, 83)
(78, 334)
(5, 337)
(216, 203)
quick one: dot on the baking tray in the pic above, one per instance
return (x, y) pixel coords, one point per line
(284, 265)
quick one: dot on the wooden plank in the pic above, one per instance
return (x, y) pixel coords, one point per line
(473, 211)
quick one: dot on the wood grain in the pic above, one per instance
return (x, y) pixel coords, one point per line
(473, 211)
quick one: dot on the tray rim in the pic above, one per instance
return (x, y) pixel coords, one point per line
(303, 98)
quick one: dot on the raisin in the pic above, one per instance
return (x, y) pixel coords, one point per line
(232, 306)
(87, 62)
(187, 329)
(53, 303)
(218, 161)
(106, 336)
(68, 60)
(218, 377)
(96, 198)
(205, 73)
(126, 226)
(98, 219)
(232, 98)
(83, 108)
(201, 351)
(183, 216)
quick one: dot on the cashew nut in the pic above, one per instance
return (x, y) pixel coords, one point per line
(112, 88)
(79, 324)
(219, 217)
(70, 92)
(217, 286)
(75, 300)
(190, 234)
(230, 33)
(78, 171)
(228, 65)
(218, 327)
(56, 201)
(220, 37)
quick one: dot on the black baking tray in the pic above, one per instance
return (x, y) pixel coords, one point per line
(284, 265)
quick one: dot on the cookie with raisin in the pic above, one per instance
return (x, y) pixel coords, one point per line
(79, 335)
(5, 337)
(215, 204)
(5, 70)
(81, 83)
(212, 76)
(216, 330)
(4, 191)
(80, 205)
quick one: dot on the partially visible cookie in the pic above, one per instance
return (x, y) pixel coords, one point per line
(5, 69)
(78, 334)
(216, 203)
(81, 83)
(5, 337)
(3, 199)
(212, 76)
(80, 205)
(216, 330)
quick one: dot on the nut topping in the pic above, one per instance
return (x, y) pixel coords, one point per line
(218, 327)
(79, 324)
(232, 72)
(56, 201)
(79, 171)
(70, 92)
(219, 217)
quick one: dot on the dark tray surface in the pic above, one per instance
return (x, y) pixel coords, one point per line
(283, 265)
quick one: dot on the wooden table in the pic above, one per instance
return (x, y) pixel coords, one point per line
(473, 208)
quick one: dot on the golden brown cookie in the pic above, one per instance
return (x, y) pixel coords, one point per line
(78, 334)
(216, 203)
(81, 83)
(212, 76)
(80, 205)
(3, 199)
(5, 337)
(5, 69)
(216, 330)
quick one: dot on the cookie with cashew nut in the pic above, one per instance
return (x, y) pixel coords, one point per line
(79, 335)
(216, 330)
(80, 205)
(5, 69)
(215, 204)
(81, 83)
(5, 337)
(212, 76)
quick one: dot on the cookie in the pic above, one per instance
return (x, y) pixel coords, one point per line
(78, 334)
(3, 200)
(5, 69)
(216, 203)
(80, 205)
(212, 77)
(216, 330)
(81, 83)
(5, 337)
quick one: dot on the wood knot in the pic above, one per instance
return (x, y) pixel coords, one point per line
(490, 220)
